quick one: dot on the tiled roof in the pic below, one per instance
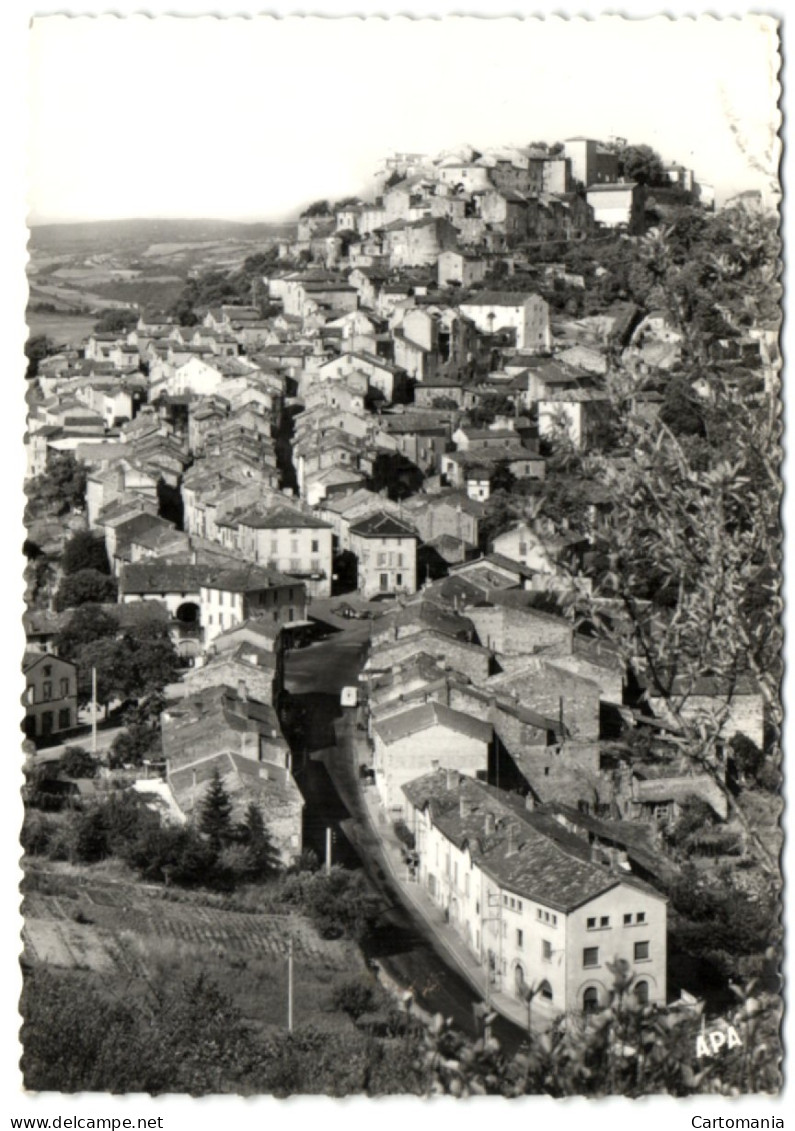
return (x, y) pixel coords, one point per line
(280, 518)
(524, 854)
(245, 579)
(383, 525)
(418, 719)
(612, 186)
(498, 298)
(163, 577)
(428, 614)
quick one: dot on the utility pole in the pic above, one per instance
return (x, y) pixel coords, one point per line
(290, 983)
(94, 712)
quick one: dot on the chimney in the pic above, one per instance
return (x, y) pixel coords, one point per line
(434, 764)
(463, 806)
(452, 779)
(489, 824)
(242, 692)
(513, 845)
(529, 803)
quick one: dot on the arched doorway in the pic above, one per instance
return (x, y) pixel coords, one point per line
(519, 984)
(590, 1000)
(642, 992)
(188, 613)
(545, 990)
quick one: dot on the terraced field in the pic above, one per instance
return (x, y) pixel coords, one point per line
(128, 931)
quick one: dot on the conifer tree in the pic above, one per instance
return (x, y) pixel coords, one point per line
(263, 858)
(216, 813)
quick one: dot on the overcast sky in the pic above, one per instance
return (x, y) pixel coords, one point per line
(251, 118)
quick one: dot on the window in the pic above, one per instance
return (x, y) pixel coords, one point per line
(519, 939)
(642, 993)
(590, 956)
(546, 950)
(64, 718)
(518, 905)
(641, 951)
(505, 901)
(590, 1000)
(640, 917)
(554, 920)
(64, 689)
(46, 690)
(604, 921)
(47, 669)
(315, 546)
(30, 694)
(627, 920)
(545, 990)
(590, 924)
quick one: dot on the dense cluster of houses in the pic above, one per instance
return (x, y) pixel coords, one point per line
(537, 835)
(236, 467)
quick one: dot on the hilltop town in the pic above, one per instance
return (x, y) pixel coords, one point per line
(462, 497)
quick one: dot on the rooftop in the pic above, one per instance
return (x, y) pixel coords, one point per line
(396, 727)
(383, 525)
(524, 852)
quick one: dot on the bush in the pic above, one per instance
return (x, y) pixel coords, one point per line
(36, 835)
(85, 550)
(86, 586)
(78, 763)
(357, 997)
(338, 903)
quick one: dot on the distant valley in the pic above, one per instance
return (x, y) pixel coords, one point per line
(77, 269)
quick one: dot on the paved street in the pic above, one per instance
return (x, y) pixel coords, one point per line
(406, 947)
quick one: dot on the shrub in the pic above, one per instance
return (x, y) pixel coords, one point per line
(36, 835)
(356, 997)
(77, 762)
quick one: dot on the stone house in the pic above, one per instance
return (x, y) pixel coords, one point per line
(527, 315)
(452, 513)
(223, 729)
(291, 542)
(619, 205)
(470, 659)
(555, 693)
(412, 742)
(231, 596)
(418, 243)
(534, 909)
(386, 553)
(461, 267)
(50, 697)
